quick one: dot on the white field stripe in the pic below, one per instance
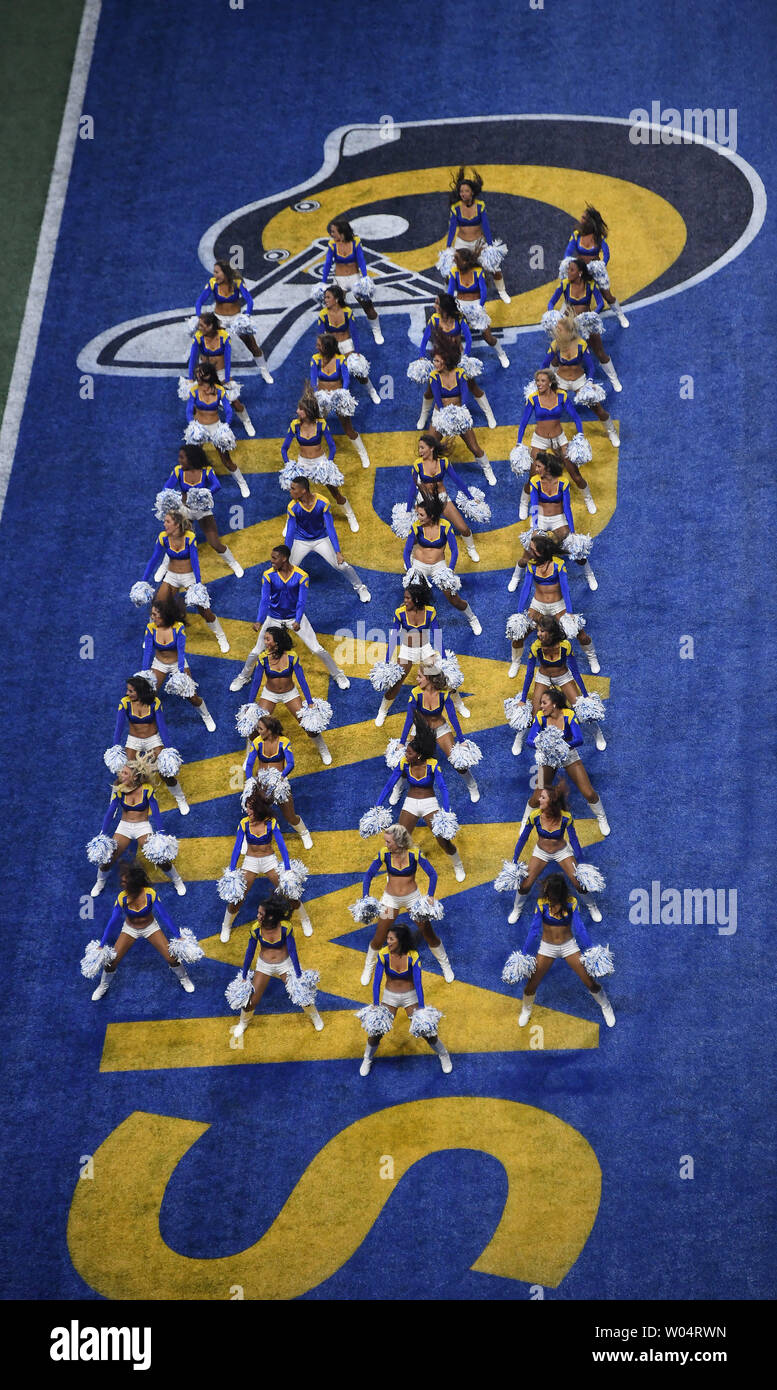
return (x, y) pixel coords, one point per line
(47, 241)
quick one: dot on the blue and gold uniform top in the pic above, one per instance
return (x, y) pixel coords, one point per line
(411, 973)
(286, 939)
(571, 732)
(131, 913)
(125, 708)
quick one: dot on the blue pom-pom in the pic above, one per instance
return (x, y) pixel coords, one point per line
(343, 402)
(100, 848)
(232, 886)
(445, 824)
(491, 257)
(445, 261)
(222, 438)
(450, 668)
(423, 905)
(599, 273)
(377, 819)
(472, 367)
(571, 624)
(326, 472)
(395, 750)
(474, 313)
(319, 291)
(239, 991)
(510, 876)
(364, 288)
(446, 580)
(578, 545)
(375, 1019)
(550, 321)
(598, 961)
(424, 1021)
(358, 365)
(518, 967)
(141, 594)
(590, 393)
(199, 502)
(160, 848)
(401, 520)
(168, 500)
(588, 323)
(185, 948)
(474, 508)
(185, 385)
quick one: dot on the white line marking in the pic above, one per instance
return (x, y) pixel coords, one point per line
(47, 241)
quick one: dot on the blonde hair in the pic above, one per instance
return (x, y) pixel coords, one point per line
(437, 678)
(143, 766)
(400, 835)
(548, 372)
(567, 325)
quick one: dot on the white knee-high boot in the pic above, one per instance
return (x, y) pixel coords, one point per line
(369, 964)
(609, 371)
(519, 902)
(426, 410)
(314, 1016)
(483, 402)
(241, 482)
(440, 954)
(205, 715)
(234, 565)
(527, 1004)
(218, 633)
(361, 449)
(228, 923)
(245, 1018)
(180, 799)
(487, 469)
(182, 975)
(469, 546)
(619, 314)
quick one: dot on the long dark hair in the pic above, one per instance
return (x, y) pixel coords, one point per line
(257, 805)
(281, 638)
(205, 371)
(433, 508)
(461, 176)
(196, 456)
(134, 877)
(145, 691)
(169, 611)
(327, 345)
(448, 305)
(344, 228)
(211, 322)
(595, 222)
(447, 349)
(551, 627)
(557, 697)
(338, 294)
(583, 268)
(227, 270)
(420, 592)
(556, 889)
(407, 940)
(546, 546)
(423, 739)
(550, 459)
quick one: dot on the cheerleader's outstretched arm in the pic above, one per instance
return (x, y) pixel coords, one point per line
(238, 847)
(575, 669)
(122, 718)
(377, 980)
(281, 843)
(112, 816)
(431, 874)
(580, 931)
(154, 563)
(445, 801)
(531, 667)
(291, 947)
(113, 921)
(452, 717)
(327, 266)
(369, 875)
(155, 814)
(396, 773)
(522, 838)
(301, 680)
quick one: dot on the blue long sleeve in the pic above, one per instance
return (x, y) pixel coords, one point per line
(264, 600)
(430, 872)
(194, 560)
(466, 333)
(113, 921)
(440, 782)
(394, 777)
(575, 739)
(164, 919)
(360, 261)
(554, 297)
(563, 584)
(286, 445)
(313, 374)
(483, 290)
(419, 989)
(412, 491)
(573, 840)
(227, 408)
(154, 563)
(237, 847)
(531, 667)
(281, 843)
(526, 589)
(452, 717)
(190, 408)
(408, 550)
(256, 683)
(290, 529)
(453, 548)
(426, 339)
(575, 669)
(393, 642)
(302, 682)
(288, 762)
(377, 980)
(155, 813)
(456, 480)
(369, 875)
(571, 250)
(249, 955)
(486, 228)
(573, 415)
(248, 298)
(162, 729)
(291, 947)
(180, 647)
(327, 435)
(452, 225)
(327, 266)
(194, 356)
(534, 936)
(302, 598)
(409, 719)
(330, 529)
(345, 374)
(588, 363)
(522, 838)
(598, 298)
(206, 294)
(249, 762)
(122, 722)
(531, 737)
(525, 418)
(570, 520)
(228, 359)
(580, 931)
(112, 816)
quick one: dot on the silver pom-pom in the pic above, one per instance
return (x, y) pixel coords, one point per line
(377, 819)
(358, 365)
(517, 627)
(423, 1023)
(316, 716)
(385, 674)
(401, 520)
(590, 393)
(510, 876)
(472, 367)
(598, 961)
(100, 848)
(96, 958)
(247, 719)
(141, 594)
(326, 472)
(420, 371)
(564, 267)
(233, 389)
(520, 460)
(590, 878)
(474, 313)
(114, 758)
(292, 883)
(529, 390)
(195, 433)
(578, 545)
(185, 948)
(199, 502)
(550, 321)
(185, 385)
(395, 750)
(464, 755)
(247, 790)
(191, 324)
(518, 713)
(239, 991)
(579, 450)
(445, 824)
(232, 886)
(196, 596)
(518, 967)
(454, 676)
(375, 1019)
(446, 580)
(474, 508)
(319, 291)
(588, 323)
(589, 709)
(526, 538)
(491, 257)
(423, 905)
(452, 419)
(301, 989)
(551, 748)
(281, 791)
(364, 288)
(343, 402)
(365, 910)
(445, 261)
(599, 273)
(168, 500)
(169, 762)
(571, 624)
(301, 469)
(160, 848)
(324, 399)
(180, 683)
(222, 438)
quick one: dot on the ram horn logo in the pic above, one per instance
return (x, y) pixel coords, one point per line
(390, 181)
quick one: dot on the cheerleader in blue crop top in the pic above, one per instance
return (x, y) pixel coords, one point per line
(556, 714)
(338, 321)
(546, 576)
(211, 343)
(275, 674)
(452, 390)
(274, 936)
(195, 483)
(309, 526)
(415, 638)
(469, 228)
(399, 970)
(345, 257)
(545, 404)
(133, 814)
(205, 402)
(424, 556)
(431, 699)
(269, 764)
(140, 911)
(588, 243)
(446, 326)
(315, 449)
(557, 842)
(558, 931)
(400, 864)
(233, 304)
(467, 285)
(330, 379)
(550, 509)
(421, 768)
(434, 476)
(164, 657)
(570, 357)
(578, 293)
(175, 566)
(254, 842)
(141, 720)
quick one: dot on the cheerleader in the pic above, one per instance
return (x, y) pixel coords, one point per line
(557, 840)
(424, 555)
(206, 399)
(270, 762)
(282, 601)
(552, 659)
(310, 432)
(400, 863)
(400, 964)
(274, 936)
(309, 526)
(164, 656)
(555, 713)
(570, 357)
(414, 636)
(345, 254)
(133, 813)
(545, 404)
(579, 290)
(141, 912)
(450, 389)
(467, 285)
(431, 699)
(255, 834)
(468, 225)
(445, 325)
(546, 572)
(550, 509)
(434, 476)
(557, 930)
(588, 243)
(276, 671)
(211, 344)
(227, 289)
(330, 379)
(141, 720)
(196, 482)
(423, 773)
(336, 318)
(175, 565)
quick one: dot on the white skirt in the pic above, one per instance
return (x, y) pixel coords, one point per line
(405, 1000)
(556, 854)
(135, 932)
(260, 864)
(557, 606)
(556, 442)
(420, 805)
(560, 949)
(134, 829)
(281, 696)
(280, 967)
(144, 745)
